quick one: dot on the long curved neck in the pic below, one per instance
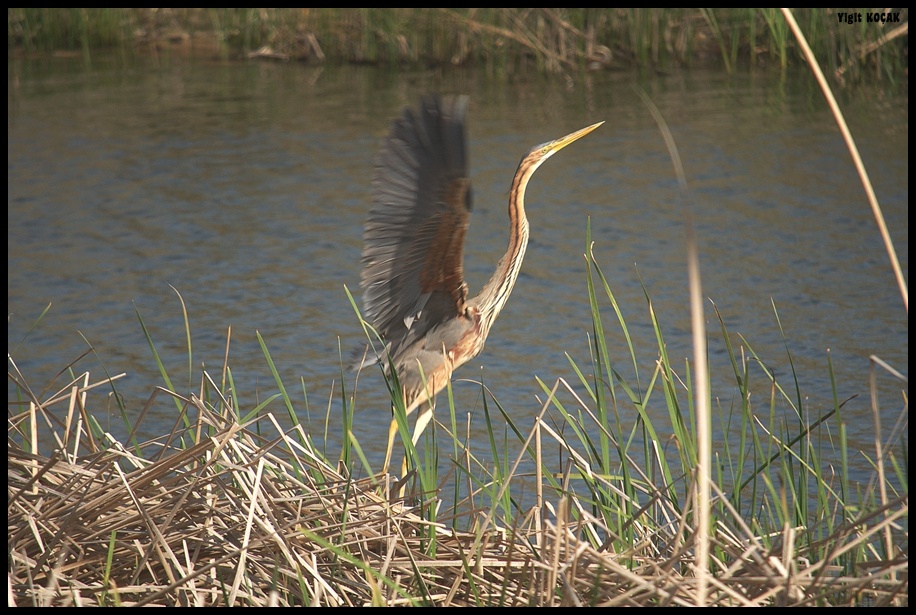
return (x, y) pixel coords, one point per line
(495, 292)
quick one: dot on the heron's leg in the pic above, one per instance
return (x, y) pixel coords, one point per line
(423, 419)
(392, 430)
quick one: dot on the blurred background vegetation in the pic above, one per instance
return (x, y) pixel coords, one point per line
(505, 41)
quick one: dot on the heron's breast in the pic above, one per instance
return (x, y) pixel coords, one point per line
(471, 341)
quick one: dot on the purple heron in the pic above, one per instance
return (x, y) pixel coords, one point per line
(414, 293)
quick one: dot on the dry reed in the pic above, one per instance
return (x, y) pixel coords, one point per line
(218, 514)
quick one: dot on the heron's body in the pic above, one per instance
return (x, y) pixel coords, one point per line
(414, 293)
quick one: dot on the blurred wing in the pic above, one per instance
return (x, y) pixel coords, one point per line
(413, 241)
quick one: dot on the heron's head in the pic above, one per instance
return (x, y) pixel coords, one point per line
(538, 154)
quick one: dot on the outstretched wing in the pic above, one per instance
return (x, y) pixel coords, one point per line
(413, 242)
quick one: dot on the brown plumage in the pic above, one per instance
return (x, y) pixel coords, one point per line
(414, 293)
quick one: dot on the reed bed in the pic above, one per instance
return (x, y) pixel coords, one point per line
(504, 41)
(218, 513)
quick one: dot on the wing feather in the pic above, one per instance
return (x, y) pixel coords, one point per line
(413, 241)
